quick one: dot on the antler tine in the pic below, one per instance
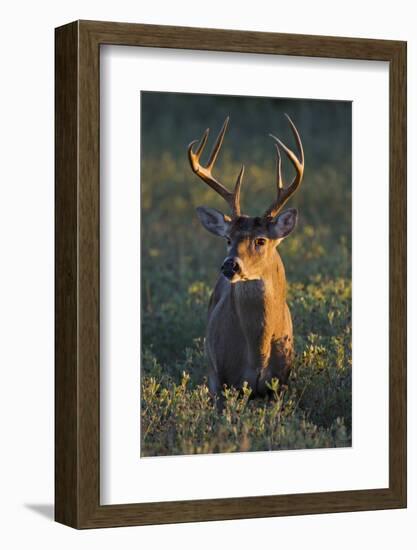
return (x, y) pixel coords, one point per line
(205, 172)
(280, 183)
(236, 193)
(202, 143)
(284, 193)
(297, 139)
(217, 145)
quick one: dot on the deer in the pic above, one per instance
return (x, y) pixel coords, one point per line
(249, 333)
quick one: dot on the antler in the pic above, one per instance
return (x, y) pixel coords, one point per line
(204, 172)
(284, 193)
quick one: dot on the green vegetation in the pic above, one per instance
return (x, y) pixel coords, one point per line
(180, 264)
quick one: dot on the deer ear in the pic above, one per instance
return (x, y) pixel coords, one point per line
(283, 224)
(213, 220)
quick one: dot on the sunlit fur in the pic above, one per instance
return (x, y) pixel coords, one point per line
(249, 331)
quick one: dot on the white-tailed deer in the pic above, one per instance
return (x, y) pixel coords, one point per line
(249, 330)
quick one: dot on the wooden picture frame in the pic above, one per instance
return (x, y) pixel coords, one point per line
(77, 374)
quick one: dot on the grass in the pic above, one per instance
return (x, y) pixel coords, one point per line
(179, 267)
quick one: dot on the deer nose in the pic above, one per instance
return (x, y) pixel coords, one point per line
(230, 267)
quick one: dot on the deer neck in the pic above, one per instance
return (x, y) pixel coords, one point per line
(259, 305)
(270, 287)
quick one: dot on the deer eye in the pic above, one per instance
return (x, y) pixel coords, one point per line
(229, 242)
(260, 242)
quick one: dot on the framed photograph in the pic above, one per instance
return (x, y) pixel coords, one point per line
(230, 274)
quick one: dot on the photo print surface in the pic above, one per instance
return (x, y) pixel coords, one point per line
(245, 274)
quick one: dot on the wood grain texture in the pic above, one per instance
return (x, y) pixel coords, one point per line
(66, 237)
(77, 404)
(398, 273)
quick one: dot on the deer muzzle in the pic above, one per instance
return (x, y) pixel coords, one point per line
(231, 266)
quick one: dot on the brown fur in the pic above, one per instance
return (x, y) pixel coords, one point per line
(249, 331)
